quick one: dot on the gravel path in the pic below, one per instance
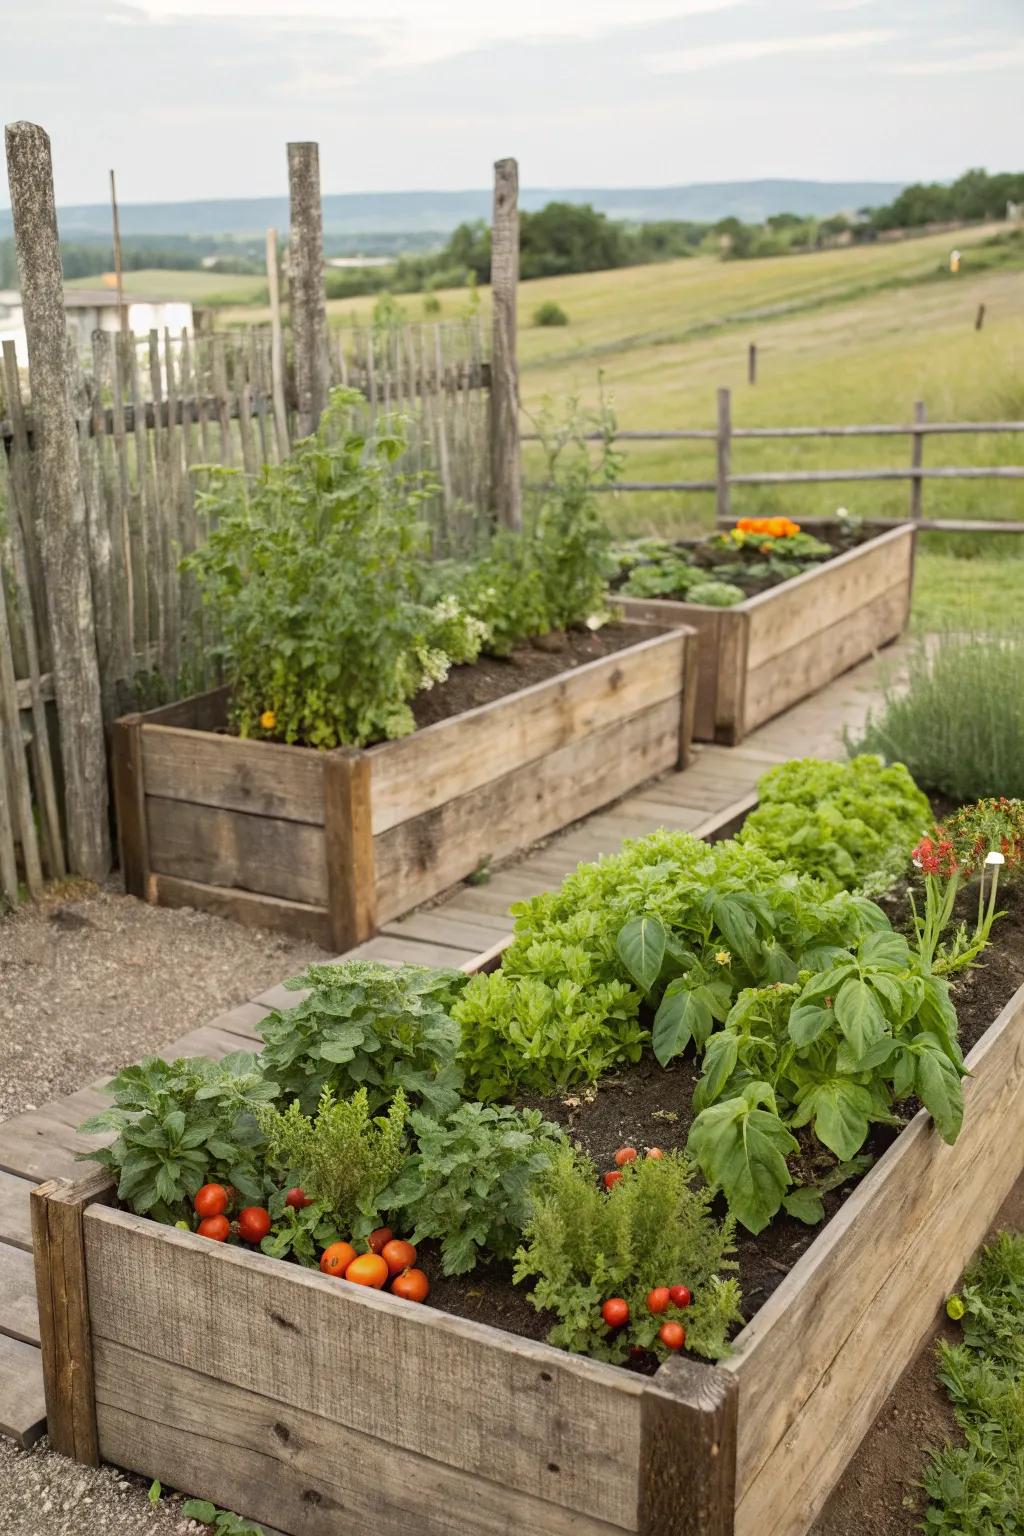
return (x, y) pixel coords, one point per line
(89, 981)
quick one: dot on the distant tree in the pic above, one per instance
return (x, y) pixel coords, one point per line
(569, 237)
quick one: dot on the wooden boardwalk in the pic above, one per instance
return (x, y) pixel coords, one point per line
(454, 930)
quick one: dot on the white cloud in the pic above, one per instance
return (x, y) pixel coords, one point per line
(684, 61)
(1009, 56)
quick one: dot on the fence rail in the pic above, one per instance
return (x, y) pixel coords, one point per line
(917, 430)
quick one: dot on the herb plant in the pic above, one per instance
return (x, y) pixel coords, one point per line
(851, 825)
(180, 1125)
(372, 1026)
(316, 572)
(583, 1244)
(468, 1183)
(835, 1050)
(342, 1157)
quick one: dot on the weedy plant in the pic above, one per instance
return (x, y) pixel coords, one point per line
(957, 722)
(468, 1182)
(583, 1244)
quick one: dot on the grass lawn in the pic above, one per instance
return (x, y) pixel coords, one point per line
(214, 288)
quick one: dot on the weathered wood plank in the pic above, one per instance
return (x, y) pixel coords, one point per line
(22, 1398)
(688, 1451)
(264, 778)
(282, 1463)
(234, 850)
(36, 1146)
(783, 617)
(128, 776)
(299, 919)
(15, 1217)
(244, 1021)
(396, 951)
(453, 757)
(852, 1313)
(708, 624)
(418, 858)
(437, 927)
(810, 664)
(556, 1426)
(349, 847)
(199, 712)
(19, 1315)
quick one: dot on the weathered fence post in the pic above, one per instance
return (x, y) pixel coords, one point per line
(916, 460)
(723, 458)
(752, 363)
(306, 285)
(61, 501)
(506, 468)
(979, 319)
(276, 347)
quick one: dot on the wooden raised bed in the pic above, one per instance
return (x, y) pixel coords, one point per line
(764, 654)
(306, 1403)
(328, 845)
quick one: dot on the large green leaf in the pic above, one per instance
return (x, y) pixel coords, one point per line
(719, 1065)
(742, 1150)
(859, 1015)
(684, 1015)
(807, 1021)
(939, 1088)
(641, 948)
(885, 951)
(841, 1112)
(737, 926)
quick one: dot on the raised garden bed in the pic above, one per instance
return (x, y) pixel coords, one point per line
(334, 1402)
(768, 652)
(327, 845)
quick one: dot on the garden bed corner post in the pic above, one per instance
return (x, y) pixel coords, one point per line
(688, 1420)
(348, 834)
(65, 1334)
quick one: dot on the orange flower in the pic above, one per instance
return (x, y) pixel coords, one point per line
(268, 720)
(771, 527)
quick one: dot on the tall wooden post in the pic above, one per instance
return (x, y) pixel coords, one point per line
(61, 501)
(723, 458)
(506, 468)
(276, 346)
(916, 460)
(306, 285)
(752, 363)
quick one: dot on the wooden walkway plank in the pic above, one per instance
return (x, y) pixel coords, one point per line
(15, 1219)
(22, 1404)
(19, 1316)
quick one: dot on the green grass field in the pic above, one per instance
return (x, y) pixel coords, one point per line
(214, 288)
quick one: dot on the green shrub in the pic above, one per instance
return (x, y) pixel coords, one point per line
(851, 825)
(342, 1156)
(958, 723)
(316, 572)
(715, 594)
(550, 313)
(468, 1183)
(367, 1025)
(583, 1245)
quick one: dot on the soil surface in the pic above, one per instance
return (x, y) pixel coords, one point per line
(712, 562)
(492, 677)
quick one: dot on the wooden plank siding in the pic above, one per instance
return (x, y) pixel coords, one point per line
(769, 652)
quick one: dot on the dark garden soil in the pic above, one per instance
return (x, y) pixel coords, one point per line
(493, 677)
(649, 1106)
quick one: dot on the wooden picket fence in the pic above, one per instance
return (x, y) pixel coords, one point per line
(151, 413)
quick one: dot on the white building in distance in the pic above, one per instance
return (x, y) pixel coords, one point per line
(95, 309)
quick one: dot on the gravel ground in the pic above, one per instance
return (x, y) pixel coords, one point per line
(91, 980)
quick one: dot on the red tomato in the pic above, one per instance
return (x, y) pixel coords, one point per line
(297, 1199)
(679, 1295)
(378, 1238)
(615, 1312)
(611, 1179)
(211, 1200)
(657, 1300)
(625, 1155)
(412, 1285)
(253, 1223)
(336, 1259)
(217, 1227)
(656, 1153)
(672, 1335)
(398, 1255)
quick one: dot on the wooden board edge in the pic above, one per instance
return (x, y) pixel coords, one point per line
(688, 1437)
(838, 562)
(250, 908)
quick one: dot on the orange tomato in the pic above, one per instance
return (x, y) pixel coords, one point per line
(398, 1255)
(368, 1269)
(215, 1227)
(625, 1155)
(411, 1285)
(336, 1259)
(656, 1153)
(612, 1178)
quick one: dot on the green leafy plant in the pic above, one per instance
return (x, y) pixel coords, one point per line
(221, 1520)
(180, 1125)
(316, 572)
(372, 1026)
(550, 313)
(835, 1051)
(955, 717)
(301, 1234)
(851, 825)
(468, 1183)
(715, 594)
(942, 877)
(977, 1488)
(342, 1157)
(583, 1245)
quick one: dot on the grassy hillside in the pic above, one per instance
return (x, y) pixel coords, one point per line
(216, 288)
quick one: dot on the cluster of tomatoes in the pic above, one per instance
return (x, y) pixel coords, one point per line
(615, 1312)
(628, 1155)
(390, 1262)
(211, 1203)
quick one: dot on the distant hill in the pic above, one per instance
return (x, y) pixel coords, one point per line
(390, 213)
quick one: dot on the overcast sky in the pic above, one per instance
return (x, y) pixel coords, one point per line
(197, 98)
